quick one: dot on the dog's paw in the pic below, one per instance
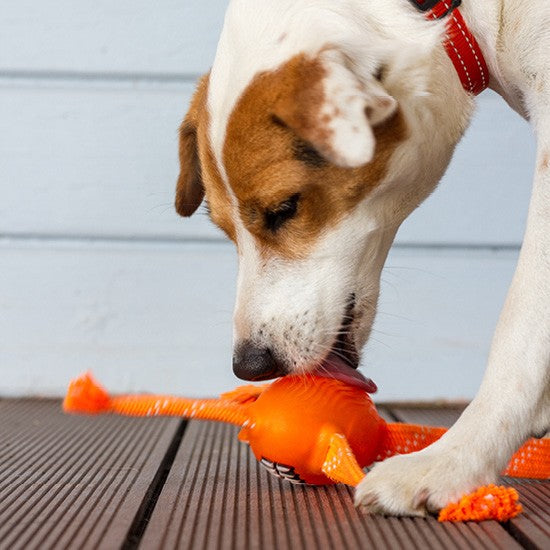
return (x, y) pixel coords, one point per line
(418, 483)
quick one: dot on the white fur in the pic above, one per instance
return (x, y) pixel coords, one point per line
(514, 399)
(351, 143)
(275, 296)
(262, 37)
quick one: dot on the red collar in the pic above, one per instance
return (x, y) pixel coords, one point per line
(461, 45)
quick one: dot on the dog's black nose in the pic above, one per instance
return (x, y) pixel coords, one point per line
(251, 362)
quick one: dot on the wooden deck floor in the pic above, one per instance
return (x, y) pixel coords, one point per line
(111, 482)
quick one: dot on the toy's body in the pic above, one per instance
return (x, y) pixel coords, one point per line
(307, 429)
(283, 431)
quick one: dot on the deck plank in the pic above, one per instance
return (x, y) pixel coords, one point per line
(444, 416)
(217, 496)
(83, 482)
(74, 481)
(532, 527)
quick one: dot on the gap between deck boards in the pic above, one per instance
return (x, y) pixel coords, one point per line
(151, 498)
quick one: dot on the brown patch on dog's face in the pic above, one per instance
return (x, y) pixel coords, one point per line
(219, 202)
(199, 174)
(189, 188)
(287, 192)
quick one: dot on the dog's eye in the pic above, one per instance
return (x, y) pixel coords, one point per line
(275, 218)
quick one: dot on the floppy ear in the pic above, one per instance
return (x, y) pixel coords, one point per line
(189, 189)
(329, 107)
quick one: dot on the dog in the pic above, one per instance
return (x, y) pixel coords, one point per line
(321, 126)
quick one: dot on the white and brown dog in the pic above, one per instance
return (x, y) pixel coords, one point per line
(320, 127)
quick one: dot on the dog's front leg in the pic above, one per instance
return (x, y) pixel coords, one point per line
(513, 402)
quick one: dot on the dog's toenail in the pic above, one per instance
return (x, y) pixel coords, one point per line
(368, 503)
(420, 499)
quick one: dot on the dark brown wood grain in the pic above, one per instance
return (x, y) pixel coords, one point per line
(218, 496)
(74, 481)
(444, 416)
(111, 482)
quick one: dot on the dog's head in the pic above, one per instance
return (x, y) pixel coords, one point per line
(309, 160)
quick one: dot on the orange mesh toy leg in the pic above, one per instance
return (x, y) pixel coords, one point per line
(532, 460)
(490, 502)
(340, 464)
(85, 395)
(407, 438)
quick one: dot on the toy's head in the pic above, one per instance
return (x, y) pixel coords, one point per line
(293, 419)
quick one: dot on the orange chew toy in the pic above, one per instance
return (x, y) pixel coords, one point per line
(316, 430)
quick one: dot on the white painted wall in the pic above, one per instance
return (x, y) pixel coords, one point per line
(96, 270)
